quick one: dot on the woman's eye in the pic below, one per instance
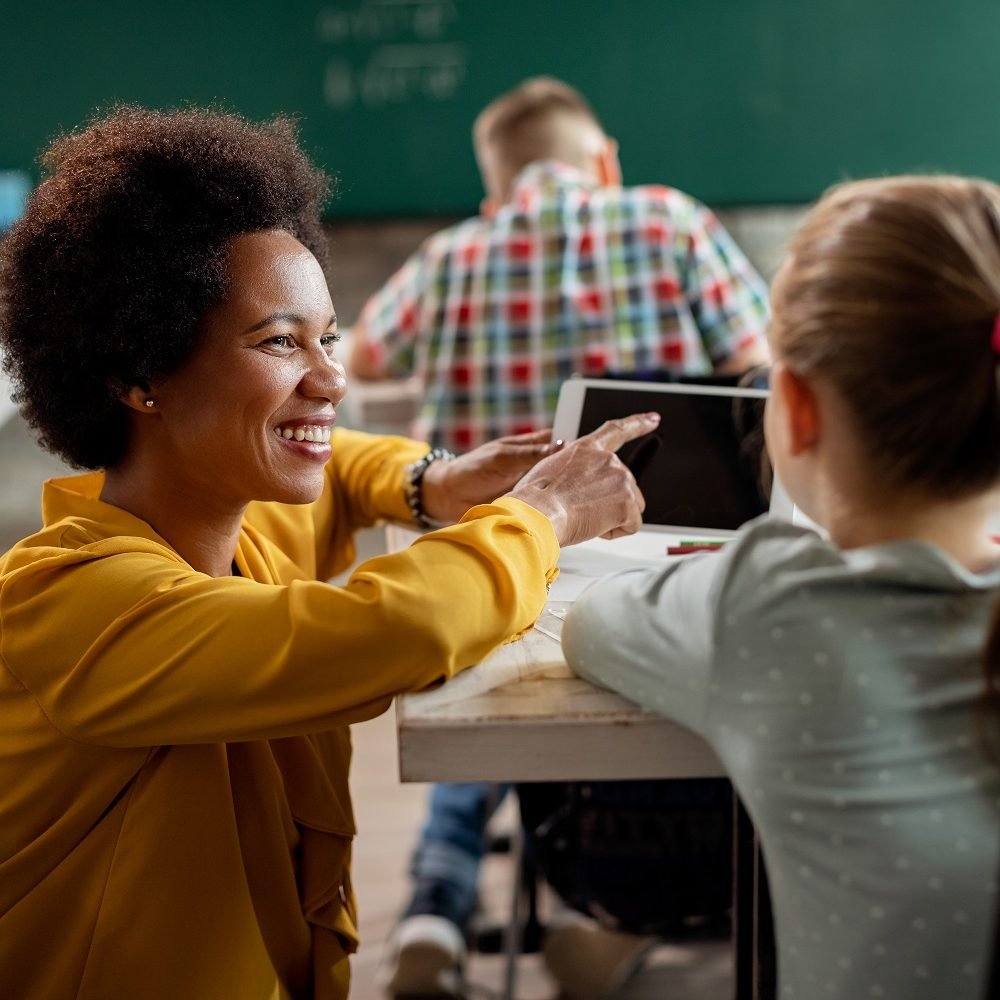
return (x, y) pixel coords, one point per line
(330, 339)
(282, 340)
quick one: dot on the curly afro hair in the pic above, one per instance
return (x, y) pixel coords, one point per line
(122, 251)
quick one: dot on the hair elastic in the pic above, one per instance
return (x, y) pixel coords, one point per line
(995, 339)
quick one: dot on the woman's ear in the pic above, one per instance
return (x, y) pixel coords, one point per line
(799, 409)
(139, 398)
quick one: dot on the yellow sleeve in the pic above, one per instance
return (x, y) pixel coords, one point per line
(364, 484)
(123, 645)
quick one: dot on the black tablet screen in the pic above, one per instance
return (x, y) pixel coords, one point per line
(703, 467)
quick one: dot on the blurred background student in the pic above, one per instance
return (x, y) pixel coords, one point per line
(564, 272)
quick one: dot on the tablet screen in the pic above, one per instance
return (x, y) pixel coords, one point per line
(703, 467)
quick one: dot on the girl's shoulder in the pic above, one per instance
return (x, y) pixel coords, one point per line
(769, 546)
(773, 562)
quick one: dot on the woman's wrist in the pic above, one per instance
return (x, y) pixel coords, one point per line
(426, 493)
(547, 504)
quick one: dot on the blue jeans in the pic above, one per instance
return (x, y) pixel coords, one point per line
(445, 864)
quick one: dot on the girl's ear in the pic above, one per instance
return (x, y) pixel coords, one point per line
(800, 409)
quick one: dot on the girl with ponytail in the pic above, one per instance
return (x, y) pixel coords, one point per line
(840, 678)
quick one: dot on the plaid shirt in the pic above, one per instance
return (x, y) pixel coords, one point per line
(568, 277)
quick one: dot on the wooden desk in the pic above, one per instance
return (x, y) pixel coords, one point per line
(387, 407)
(520, 715)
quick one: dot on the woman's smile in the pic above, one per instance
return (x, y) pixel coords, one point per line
(309, 439)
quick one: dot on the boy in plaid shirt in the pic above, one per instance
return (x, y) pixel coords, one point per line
(565, 271)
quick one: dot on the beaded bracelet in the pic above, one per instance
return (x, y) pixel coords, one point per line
(413, 485)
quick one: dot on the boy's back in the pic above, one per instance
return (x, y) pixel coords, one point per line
(568, 277)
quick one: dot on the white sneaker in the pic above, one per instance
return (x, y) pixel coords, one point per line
(424, 957)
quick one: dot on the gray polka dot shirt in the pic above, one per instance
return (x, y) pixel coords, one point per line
(841, 691)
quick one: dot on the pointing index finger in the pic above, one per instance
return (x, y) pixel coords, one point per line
(612, 434)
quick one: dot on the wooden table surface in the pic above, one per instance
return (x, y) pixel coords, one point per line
(520, 715)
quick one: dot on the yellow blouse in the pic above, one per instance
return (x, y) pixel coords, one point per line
(175, 819)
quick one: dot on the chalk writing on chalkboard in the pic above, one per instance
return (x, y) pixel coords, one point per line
(400, 51)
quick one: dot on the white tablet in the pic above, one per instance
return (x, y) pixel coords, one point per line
(703, 471)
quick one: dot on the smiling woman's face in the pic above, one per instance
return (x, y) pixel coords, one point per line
(249, 416)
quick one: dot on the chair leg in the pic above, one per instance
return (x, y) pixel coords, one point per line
(743, 910)
(523, 933)
(512, 933)
(764, 949)
(754, 953)
(533, 931)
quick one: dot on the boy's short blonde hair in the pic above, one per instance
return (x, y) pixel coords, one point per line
(542, 118)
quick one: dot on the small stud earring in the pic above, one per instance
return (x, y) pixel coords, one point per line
(149, 402)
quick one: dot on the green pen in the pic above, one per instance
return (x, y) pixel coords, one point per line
(705, 543)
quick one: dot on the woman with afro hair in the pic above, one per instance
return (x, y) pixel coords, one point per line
(177, 679)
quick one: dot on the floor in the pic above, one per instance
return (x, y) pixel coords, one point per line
(389, 814)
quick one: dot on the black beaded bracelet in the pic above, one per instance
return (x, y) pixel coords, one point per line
(413, 485)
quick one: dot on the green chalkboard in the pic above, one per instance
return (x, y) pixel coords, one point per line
(735, 101)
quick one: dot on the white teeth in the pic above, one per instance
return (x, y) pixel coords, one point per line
(307, 432)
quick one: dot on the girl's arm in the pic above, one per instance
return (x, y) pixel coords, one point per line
(649, 635)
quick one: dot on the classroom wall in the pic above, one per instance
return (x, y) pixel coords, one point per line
(737, 101)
